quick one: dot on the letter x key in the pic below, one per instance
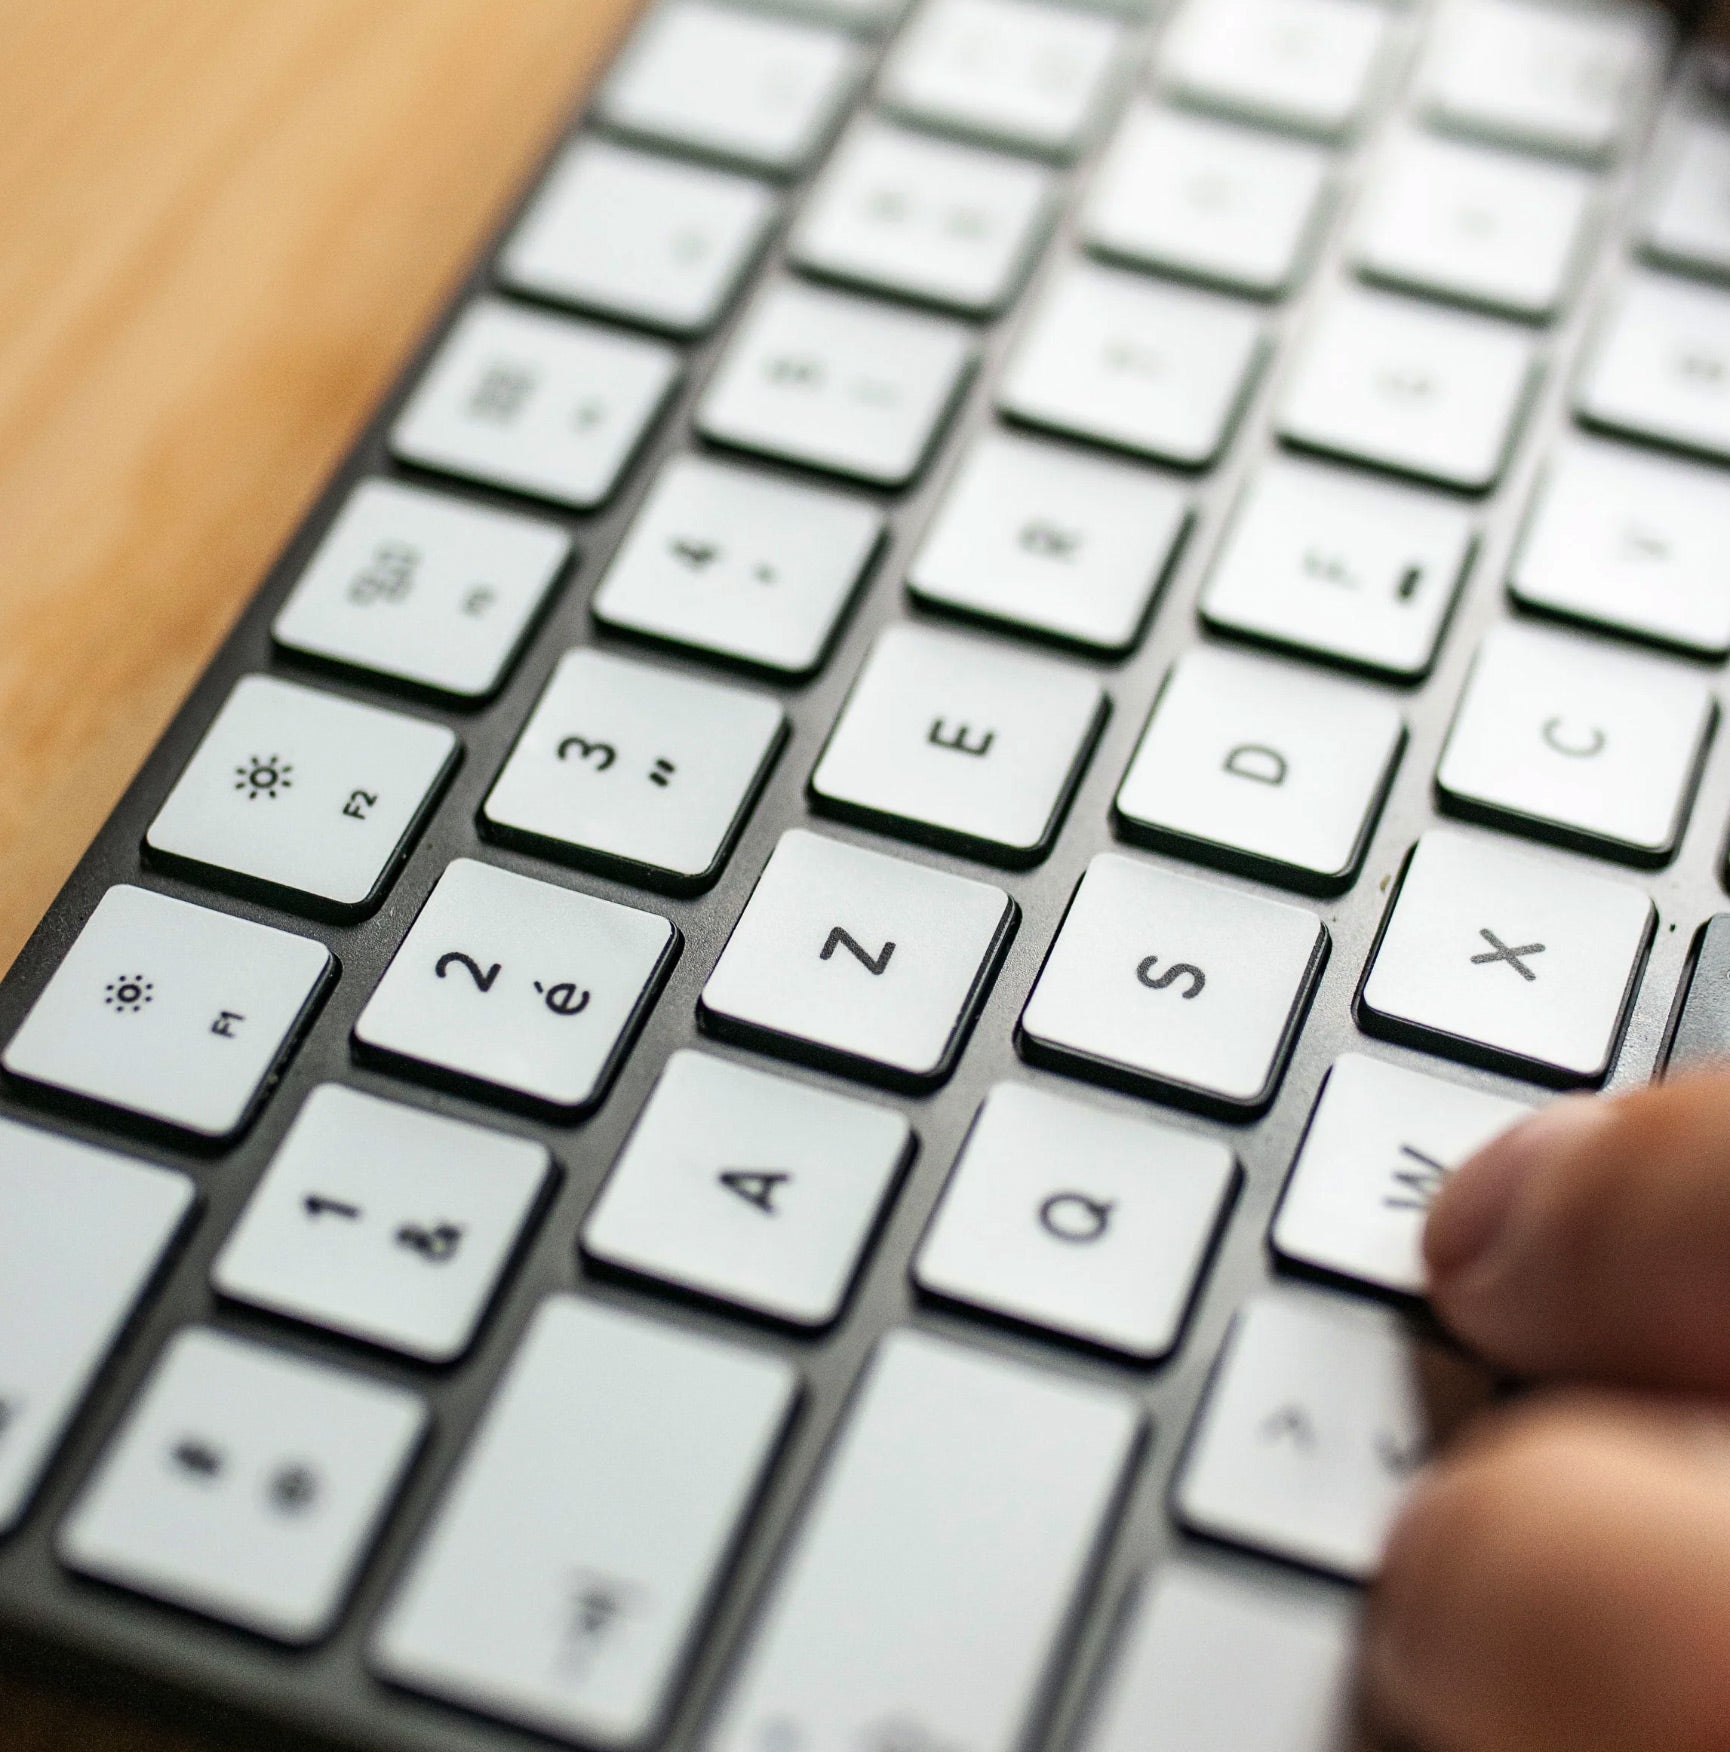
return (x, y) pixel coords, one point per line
(1499, 951)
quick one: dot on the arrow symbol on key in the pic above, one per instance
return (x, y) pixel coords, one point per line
(317, 1205)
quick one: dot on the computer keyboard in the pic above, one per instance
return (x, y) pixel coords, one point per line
(759, 1070)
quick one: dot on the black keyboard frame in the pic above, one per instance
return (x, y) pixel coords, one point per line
(122, 1647)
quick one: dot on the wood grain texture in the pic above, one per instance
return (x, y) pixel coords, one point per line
(222, 227)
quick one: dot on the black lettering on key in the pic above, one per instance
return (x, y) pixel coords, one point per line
(597, 1606)
(564, 999)
(1415, 1188)
(1515, 958)
(1290, 1423)
(1400, 1456)
(1555, 734)
(198, 1458)
(961, 738)
(316, 1205)
(756, 1186)
(1178, 970)
(360, 804)
(1254, 760)
(456, 958)
(434, 1243)
(840, 939)
(600, 755)
(1074, 1217)
(226, 1022)
(293, 1488)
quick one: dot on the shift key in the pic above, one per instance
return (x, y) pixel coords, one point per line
(940, 1560)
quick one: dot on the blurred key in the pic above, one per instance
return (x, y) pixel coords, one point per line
(1687, 217)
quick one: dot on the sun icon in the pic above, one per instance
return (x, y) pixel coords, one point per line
(130, 992)
(263, 776)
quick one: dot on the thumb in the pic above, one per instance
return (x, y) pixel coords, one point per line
(1594, 1240)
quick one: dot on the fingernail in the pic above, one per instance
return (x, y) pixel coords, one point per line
(1475, 1207)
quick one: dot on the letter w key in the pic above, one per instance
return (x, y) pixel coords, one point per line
(840, 939)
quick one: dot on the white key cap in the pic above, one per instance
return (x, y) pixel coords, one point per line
(1632, 543)
(1208, 201)
(171, 1011)
(837, 383)
(564, 1577)
(423, 588)
(535, 403)
(245, 1484)
(1687, 217)
(899, 212)
(1659, 366)
(1125, 361)
(1491, 953)
(1262, 767)
(960, 743)
(740, 565)
(1304, 64)
(311, 799)
(1576, 742)
(636, 769)
(519, 987)
(1186, 988)
(1052, 542)
(82, 1233)
(384, 1223)
(926, 1500)
(1024, 74)
(1475, 226)
(626, 234)
(760, 91)
(1178, 1679)
(1560, 78)
(1318, 1417)
(1380, 1146)
(1091, 1224)
(1403, 387)
(750, 1188)
(860, 15)
(1345, 569)
(857, 960)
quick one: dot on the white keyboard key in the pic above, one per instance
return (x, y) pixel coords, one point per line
(636, 770)
(1304, 64)
(960, 743)
(245, 1484)
(837, 383)
(1687, 217)
(899, 212)
(1659, 366)
(518, 987)
(859, 15)
(1181, 987)
(1049, 541)
(1318, 1418)
(626, 234)
(535, 403)
(740, 565)
(1572, 741)
(384, 1223)
(1632, 543)
(311, 799)
(423, 588)
(1475, 226)
(1403, 387)
(564, 1576)
(1007, 70)
(1206, 200)
(761, 91)
(922, 1604)
(171, 1011)
(1178, 1680)
(82, 1233)
(1567, 79)
(1340, 568)
(1380, 1146)
(1125, 361)
(860, 961)
(751, 1188)
(1262, 767)
(1090, 1224)
(1491, 953)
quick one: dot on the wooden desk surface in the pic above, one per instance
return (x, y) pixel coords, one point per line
(222, 226)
